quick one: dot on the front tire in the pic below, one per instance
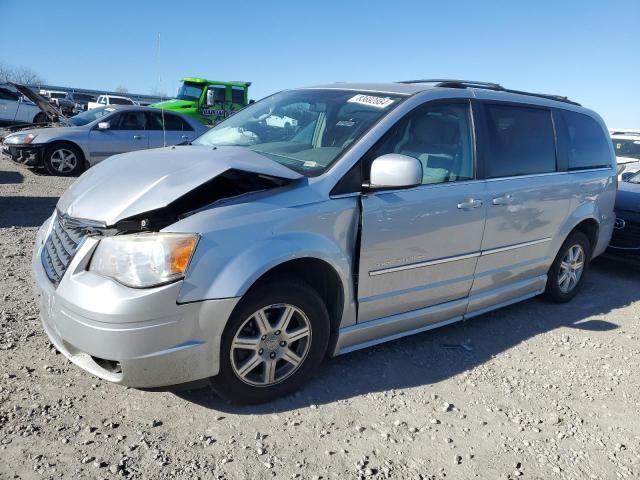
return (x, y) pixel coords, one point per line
(40, 118)
(273, 343)
(63, 160)
(568, 269)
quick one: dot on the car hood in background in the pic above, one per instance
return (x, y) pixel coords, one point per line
(628, 197)
(175, 105)
(50, 131)
(52, 113)
(137, 182)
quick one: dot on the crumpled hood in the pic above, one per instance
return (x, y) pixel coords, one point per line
(628, 197)
(54, 114)
(137, 182)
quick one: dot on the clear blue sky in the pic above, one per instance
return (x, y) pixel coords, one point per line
(586, 49)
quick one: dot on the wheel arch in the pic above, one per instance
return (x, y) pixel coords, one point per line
(61, 142)
(587, 223)
(319, 275)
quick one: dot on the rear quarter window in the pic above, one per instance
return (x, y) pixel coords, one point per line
(587, 146)
(520, 141)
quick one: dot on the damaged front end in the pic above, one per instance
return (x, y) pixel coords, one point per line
(29, 155)
(227, 186)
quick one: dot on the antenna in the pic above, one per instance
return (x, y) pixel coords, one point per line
(164, 131)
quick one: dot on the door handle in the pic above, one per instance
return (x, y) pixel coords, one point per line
(471, 203)
(185, 137)
(506, 200)
(137, 137)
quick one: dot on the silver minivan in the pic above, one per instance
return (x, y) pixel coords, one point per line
(382, 211)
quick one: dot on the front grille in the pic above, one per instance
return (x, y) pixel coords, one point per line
(626, 235)
(61, 245)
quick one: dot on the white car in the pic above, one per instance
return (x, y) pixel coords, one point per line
(626, 143)
(105, 100)
(282, 122)
(15, 108)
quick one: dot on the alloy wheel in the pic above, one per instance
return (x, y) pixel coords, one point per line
(271, 345)
(571, 268)
(63, 160)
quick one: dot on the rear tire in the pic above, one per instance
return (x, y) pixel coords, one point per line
(273, 343)
(569, 268)
(63, 160)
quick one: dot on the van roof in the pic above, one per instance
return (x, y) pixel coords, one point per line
(410, 87)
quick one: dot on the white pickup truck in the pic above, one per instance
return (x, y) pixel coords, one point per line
(105, 100)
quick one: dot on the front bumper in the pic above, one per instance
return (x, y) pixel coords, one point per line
(30, 155)
(134, 337)
(625, 241)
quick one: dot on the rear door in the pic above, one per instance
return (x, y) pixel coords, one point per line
(419, 246)
(528, 201)
(167, 129)
(127, 133)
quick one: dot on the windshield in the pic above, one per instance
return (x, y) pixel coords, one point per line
(189, 91)
(305, 130)
(90, 116)
(627, 148)
(634, 179)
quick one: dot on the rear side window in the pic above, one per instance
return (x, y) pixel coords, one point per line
(237, 95)
(120, 101)
(171, 122)
(520, 141)
(587, 145)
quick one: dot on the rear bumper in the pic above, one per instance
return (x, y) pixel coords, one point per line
(30, 155)
(134, 337)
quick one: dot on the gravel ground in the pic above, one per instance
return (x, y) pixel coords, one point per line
(531, 391)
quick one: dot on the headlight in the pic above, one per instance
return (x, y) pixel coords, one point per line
(144, 260)
(19, 139)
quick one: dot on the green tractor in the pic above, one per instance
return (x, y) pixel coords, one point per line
(208, 101)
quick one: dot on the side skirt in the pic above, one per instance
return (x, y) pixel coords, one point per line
(374, 332)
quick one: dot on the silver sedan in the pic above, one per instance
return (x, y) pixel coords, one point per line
(90, 137)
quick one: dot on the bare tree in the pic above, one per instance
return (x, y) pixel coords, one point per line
(158, 92)
(20, 75)
(122, 89)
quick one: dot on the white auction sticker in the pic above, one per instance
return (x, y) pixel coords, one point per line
(371, 100)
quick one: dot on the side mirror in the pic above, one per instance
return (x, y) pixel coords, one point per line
(104, 126)
(211, 97)
(395, 171)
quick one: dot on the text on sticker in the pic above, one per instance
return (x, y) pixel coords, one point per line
(372, 101)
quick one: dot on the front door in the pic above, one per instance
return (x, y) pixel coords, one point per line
(126, 133)
(527, 201)
(419, 246)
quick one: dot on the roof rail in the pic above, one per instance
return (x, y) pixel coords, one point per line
(444, 82)
(448, 83)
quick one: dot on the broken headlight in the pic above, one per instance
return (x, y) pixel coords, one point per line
(144, 260)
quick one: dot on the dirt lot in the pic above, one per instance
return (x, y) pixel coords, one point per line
(531, 391)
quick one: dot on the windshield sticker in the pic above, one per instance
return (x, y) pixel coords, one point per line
(371, 101)
(310, 164)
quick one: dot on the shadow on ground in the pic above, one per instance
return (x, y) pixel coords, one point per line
(434, 356)
(7, 178)
(25, 211)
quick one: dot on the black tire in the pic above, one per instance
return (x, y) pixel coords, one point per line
(553, 290)
(40, 118)
(51, 154)
(229, 385)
